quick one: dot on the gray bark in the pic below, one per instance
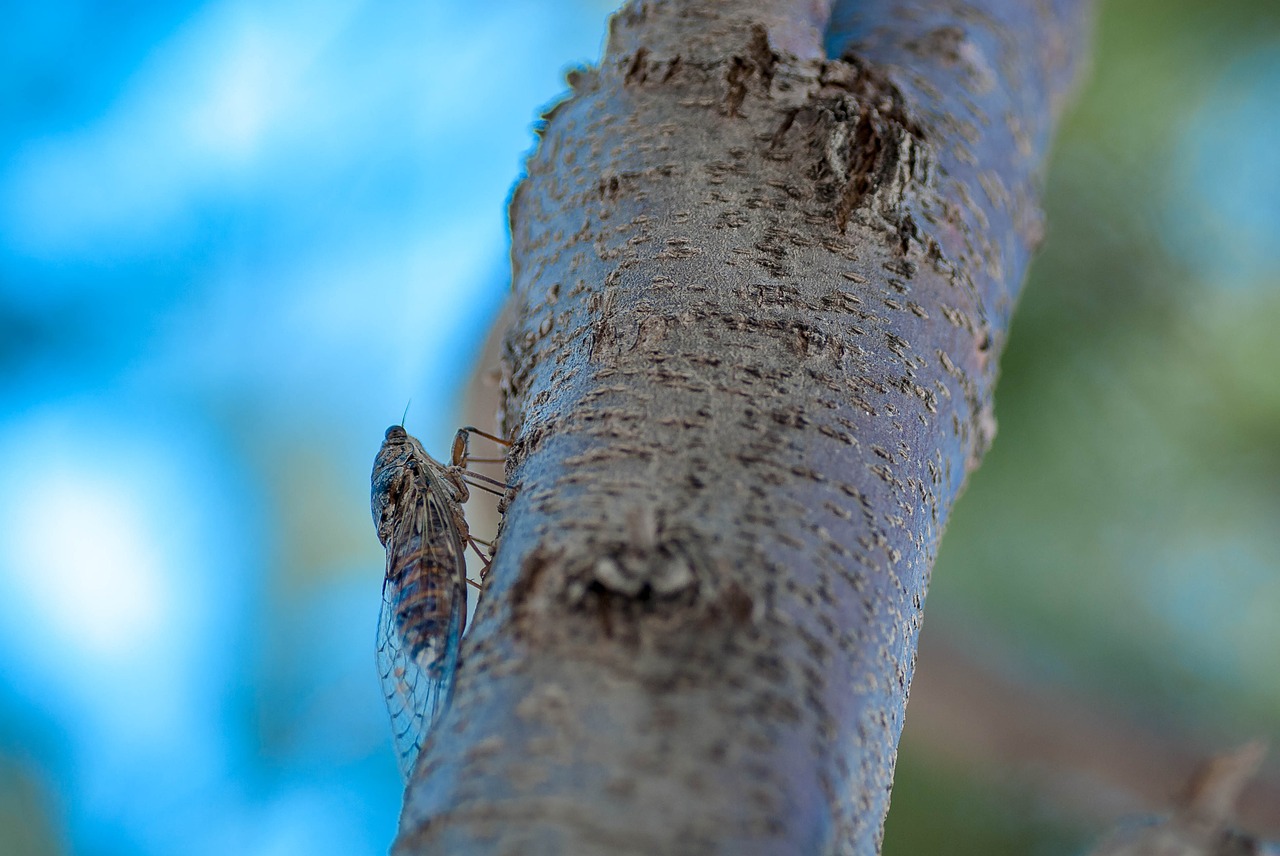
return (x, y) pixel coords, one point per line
(757, 304)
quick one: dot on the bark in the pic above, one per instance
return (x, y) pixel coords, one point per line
(757, 303)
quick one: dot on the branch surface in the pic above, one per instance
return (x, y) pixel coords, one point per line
(758, 298)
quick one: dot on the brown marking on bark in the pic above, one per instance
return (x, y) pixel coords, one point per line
(757, 61)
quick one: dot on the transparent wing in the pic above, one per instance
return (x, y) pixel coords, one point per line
(416, 691)
(424, 607)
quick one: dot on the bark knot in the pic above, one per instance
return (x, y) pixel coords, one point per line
(650, 562)
(868, 155)
(649, 577)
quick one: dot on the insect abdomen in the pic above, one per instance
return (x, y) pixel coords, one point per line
(424, 613)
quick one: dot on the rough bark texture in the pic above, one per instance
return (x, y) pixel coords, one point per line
(758, 299)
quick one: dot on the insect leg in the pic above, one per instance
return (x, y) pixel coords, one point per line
(462, 456)
(487, 435)
(487, 560)
(503, 485)
(462, 445)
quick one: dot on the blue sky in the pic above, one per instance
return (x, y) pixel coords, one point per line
(236, 239)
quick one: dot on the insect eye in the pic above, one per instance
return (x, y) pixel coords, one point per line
(396, 433)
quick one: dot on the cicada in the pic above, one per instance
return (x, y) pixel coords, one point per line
(417, 507)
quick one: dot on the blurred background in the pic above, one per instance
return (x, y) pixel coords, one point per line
(237, 239)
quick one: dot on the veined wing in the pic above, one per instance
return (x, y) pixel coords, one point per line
(416, 689)
(424, 597)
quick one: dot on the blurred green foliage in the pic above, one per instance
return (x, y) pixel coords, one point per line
(941, 812)
(1123, 527)
(26, 825)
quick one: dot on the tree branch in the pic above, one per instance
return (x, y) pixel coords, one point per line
(1200, 825)
(758, 297)
(974, 705)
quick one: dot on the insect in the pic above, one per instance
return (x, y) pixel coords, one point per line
(417, 507)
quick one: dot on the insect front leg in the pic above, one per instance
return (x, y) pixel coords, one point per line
(462, 456)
